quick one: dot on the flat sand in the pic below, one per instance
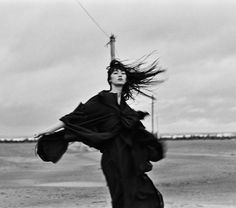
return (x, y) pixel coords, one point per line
(194, 174)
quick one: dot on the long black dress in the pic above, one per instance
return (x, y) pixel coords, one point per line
(127, 148)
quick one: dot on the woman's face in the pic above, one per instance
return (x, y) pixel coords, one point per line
(118, 77)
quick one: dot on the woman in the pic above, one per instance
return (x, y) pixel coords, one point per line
(107, 123)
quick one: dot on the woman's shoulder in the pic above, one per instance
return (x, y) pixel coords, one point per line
(96, 97)
(138, 113)
(103, 97)
(97, 100)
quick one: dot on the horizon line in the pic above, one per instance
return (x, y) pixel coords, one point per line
(165, 133)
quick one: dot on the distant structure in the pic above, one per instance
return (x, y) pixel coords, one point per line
(194, 136)
(198, 136)
(18, 140)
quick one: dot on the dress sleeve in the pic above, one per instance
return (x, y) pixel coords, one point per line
(81, 125)
(154, 147)
(76, 116)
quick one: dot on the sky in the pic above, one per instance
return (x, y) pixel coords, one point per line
(53, 57)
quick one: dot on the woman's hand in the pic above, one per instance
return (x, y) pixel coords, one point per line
(51, 130)
(42, 133)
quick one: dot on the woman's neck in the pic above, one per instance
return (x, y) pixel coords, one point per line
(118, 90)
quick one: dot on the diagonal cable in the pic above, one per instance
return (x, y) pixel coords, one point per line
(90, 16)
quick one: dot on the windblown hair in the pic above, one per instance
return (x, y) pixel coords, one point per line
(139, 76)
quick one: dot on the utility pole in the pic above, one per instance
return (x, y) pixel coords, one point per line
(112, 44)
(153, 114)
(154, 118)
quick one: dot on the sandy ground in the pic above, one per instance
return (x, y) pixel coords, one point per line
(194, 174)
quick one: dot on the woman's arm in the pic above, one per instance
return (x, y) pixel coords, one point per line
(52, 129)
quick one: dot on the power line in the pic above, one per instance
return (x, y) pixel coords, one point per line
(90, 16)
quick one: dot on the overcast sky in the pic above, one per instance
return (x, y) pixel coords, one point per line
(53, 57)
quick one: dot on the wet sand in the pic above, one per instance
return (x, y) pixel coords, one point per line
(194, 174)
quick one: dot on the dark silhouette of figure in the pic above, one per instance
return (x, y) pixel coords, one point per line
(107, 123)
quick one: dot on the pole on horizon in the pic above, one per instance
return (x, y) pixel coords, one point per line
(112, 44)
(156, 119)
(152, 114)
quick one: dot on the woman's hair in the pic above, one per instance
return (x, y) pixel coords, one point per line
(139, 76)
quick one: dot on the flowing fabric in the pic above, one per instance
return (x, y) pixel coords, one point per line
(127, 148)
